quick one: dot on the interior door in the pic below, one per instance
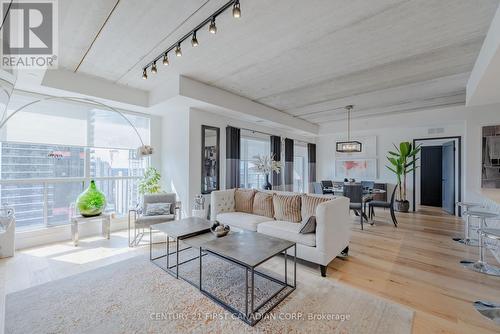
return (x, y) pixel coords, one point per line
(448, 174)
(430, 176)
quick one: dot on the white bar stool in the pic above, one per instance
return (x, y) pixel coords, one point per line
(481, 266)
(466, 206)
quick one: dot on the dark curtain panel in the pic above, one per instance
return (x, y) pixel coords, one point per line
(232, 157)
(276, 154)
(288, 164)
(311, 157)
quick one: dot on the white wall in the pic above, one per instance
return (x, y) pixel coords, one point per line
(197, 118)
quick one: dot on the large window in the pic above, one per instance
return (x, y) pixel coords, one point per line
(51, 151)
(250, 148)
(299, 168)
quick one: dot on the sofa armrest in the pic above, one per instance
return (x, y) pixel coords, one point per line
(333, 229)
(221, 201)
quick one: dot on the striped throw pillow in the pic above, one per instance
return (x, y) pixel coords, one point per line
(243, 200)
(287, 208)
(309, 205)
(263, 204)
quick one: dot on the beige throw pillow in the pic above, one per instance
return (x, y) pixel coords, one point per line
(309, 205)
(287, 208)
(243, 200)
(263, 204)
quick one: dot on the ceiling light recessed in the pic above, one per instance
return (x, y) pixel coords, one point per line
(165, 59)
(212, 28)
(236, 9)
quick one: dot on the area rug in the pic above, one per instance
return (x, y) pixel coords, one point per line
(136, 296)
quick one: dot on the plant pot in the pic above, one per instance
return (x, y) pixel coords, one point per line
(267, 185)
(91, 202)
(401, 206)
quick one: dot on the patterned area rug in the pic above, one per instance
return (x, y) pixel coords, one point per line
(135, 296)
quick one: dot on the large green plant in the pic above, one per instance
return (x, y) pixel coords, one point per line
(150, 184)
(403, 162)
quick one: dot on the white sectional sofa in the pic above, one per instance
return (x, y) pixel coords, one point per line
(332, 234)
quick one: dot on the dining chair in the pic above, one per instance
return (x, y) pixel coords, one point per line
(367, 185)
(318, 189)
(327, 184)
(382, 204)
(355, 193)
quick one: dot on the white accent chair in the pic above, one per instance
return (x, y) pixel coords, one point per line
(333, 226)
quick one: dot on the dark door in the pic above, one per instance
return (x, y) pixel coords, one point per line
(431, 176)
(448, 174)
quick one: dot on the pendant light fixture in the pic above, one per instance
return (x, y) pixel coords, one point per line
(176, 47)
(349, 146)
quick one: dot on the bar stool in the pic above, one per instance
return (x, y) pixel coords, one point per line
(481, 266)
(466, 206)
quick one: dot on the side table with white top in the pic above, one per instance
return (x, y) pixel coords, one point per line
(105, 225)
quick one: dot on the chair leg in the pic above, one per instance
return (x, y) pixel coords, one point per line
(323, 270)
(393, 216)
(361, 220)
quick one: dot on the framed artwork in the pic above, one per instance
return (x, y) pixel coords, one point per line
(359, 169)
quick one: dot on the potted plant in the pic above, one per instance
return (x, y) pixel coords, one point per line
(265, 165)
(403, 162)
(150, 183)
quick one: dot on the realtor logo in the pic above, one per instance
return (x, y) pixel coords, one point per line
(29, 33)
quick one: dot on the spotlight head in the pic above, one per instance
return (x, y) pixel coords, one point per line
(236, 10)
(178, 51)
(212, 28)
(154, 69)
(194, 40)
(144, 74)
(165, 59)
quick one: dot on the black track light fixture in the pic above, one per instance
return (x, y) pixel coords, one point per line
(212, 28)
(178, 51)
(194, 40)
(236, 9)
(234, 5)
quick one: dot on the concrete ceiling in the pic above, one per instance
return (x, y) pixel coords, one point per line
(306, 58)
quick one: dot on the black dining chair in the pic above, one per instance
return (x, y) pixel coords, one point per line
(355, 193)
(368, 185)
(327, 187)
(381, 204)
(318, 188)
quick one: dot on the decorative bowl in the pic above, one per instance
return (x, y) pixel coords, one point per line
(219, 230)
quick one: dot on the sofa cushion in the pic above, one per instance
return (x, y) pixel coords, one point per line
(241, 220)
(309, 205)
(243, 200)
(287, 208)
(145, 221)
(288, 231)
(263, 204)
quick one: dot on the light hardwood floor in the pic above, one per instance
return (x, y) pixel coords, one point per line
(415, 265)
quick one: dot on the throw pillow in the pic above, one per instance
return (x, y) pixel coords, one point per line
(309, 205)
(308, 225)
(263, 204)
(287, 208)
(156, 209)
(243, 200)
